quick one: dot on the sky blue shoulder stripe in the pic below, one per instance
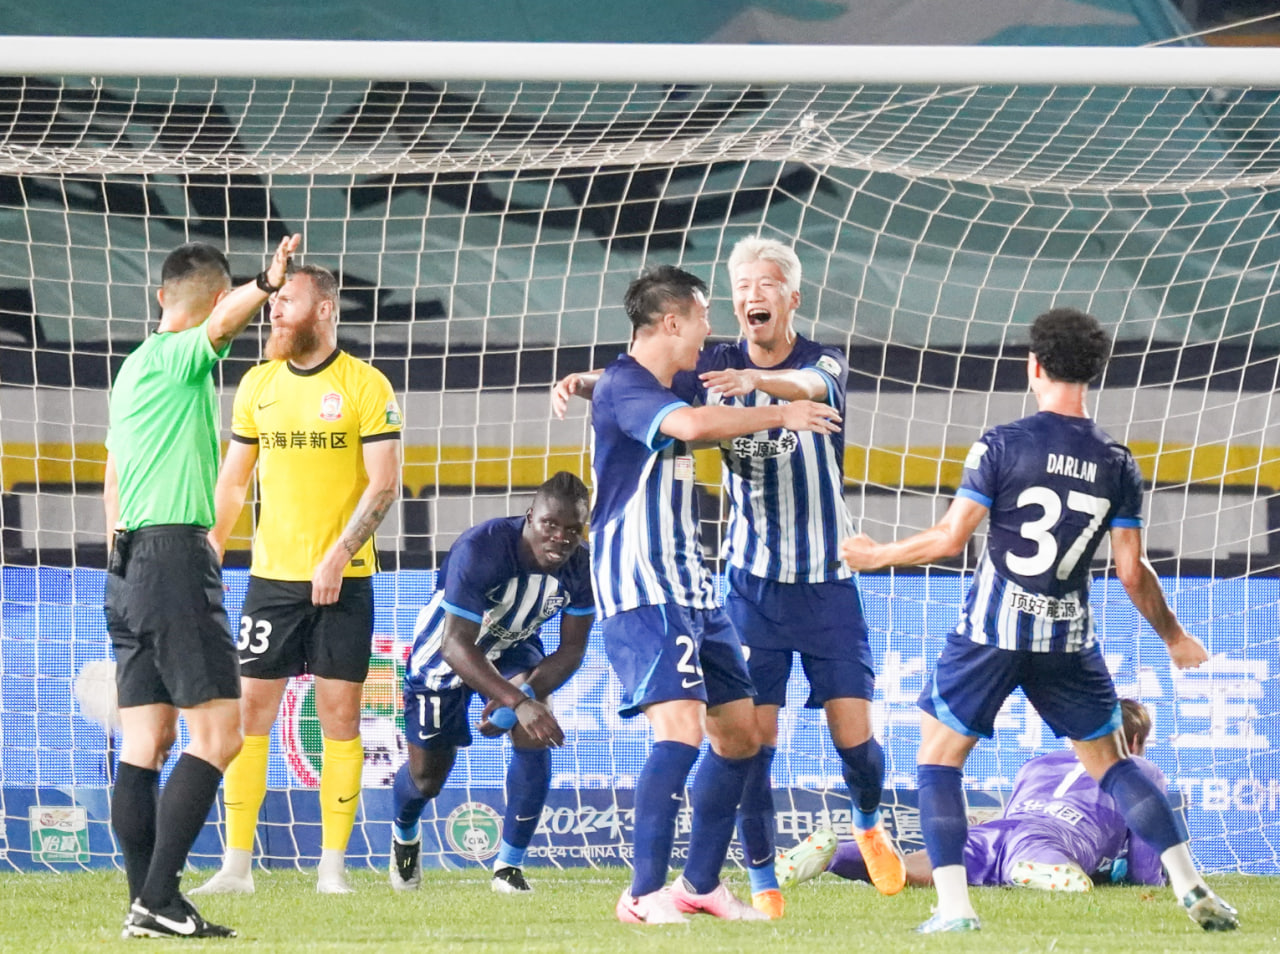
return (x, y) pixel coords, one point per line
(652, 438)
(974, 496)
(459, 611)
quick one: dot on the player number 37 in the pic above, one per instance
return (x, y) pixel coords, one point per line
(1039, 530)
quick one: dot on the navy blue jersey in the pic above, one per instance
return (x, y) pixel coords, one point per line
(1054, 485)
(645, 548)
(485, 579)
(787, 513)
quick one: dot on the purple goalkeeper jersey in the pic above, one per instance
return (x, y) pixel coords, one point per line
(1056, 814)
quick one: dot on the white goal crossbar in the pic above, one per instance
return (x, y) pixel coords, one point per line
(637, 62)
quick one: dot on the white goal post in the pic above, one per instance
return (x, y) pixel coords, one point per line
(484, 206)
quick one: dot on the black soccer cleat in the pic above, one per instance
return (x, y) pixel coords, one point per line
(179, 918)
(509, 880)
(1209, 911)
(406, 863)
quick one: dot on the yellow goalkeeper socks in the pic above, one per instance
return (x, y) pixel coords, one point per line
(244, 788)
(340, 778)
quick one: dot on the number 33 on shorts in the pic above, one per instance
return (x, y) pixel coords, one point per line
(255, 637)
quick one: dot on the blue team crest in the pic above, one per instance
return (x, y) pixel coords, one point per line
(554, 604)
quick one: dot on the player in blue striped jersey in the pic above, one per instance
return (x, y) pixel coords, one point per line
(676, 654)
(500, 581)
(789, 591)
(1052, 484)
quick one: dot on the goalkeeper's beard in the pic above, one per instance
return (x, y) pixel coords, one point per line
(292, 344)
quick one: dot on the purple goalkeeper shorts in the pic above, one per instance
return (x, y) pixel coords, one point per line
(994, 847)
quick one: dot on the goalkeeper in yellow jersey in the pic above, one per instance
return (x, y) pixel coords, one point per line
(323, 429)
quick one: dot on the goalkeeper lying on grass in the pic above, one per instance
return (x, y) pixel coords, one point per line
(1058, 832)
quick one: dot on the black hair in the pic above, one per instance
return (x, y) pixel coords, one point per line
(195, 260)
(656, 289)
(1070, 345)
(564, 486)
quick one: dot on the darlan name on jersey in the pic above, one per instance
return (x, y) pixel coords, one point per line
(1070, 466)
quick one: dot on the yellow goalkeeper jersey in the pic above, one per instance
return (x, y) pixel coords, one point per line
(309, 427)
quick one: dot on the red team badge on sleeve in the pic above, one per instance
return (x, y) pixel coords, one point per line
(331, 406)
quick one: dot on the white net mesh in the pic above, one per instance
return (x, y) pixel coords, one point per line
(483, 234)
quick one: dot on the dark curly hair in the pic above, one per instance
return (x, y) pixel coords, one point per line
(1070, 345)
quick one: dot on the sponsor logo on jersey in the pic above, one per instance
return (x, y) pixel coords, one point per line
(393, 415)
(474, 831)
(786, 443)
(381, 722)
(331, 406)
(552, 604)
(974, 457)
(828, 364)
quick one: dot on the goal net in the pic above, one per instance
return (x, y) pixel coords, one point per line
(485, 207)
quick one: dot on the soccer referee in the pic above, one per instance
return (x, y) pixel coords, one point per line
(173, 647)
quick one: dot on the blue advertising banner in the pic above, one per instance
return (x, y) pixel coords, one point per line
(1216, 734)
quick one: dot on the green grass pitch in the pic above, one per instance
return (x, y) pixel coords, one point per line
(572, 911)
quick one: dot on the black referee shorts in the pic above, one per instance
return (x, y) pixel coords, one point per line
(166, 620)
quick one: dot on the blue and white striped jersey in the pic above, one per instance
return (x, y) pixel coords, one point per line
(484, 579)
(1053, 485)
(787, 513)
(645, 548)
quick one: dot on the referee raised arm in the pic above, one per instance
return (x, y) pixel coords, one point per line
(173, 647)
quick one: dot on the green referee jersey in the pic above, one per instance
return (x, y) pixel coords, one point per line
(163, 433)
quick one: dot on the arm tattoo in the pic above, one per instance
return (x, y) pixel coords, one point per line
(366, 520)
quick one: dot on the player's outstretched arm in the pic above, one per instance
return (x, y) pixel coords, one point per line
(459, 649)
(382, 462)
(230, 492)
(1139, 579)
(581, 384)
(797, 384)
(554, 671)
(237, 307)
(945, 539)
(718, 422)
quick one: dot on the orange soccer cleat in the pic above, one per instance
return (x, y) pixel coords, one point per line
(885, 866)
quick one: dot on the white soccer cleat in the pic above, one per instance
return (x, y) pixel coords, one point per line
(656, 907)
(226, 882)
(1210, 911)
(806, 860)
(1046, 876)
(720, 903)
(334, 882)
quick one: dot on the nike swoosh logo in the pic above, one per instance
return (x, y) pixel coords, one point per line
(758, 864)
(428, 735)
(690, 683)
(675, 796)
(267, 405)
(247, 659)
(343, 801)
(521, 818)
(186, 926)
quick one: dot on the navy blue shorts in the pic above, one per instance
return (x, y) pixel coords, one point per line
(667, 652)
(822, 622)
(439, 719)
(1073, 692)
